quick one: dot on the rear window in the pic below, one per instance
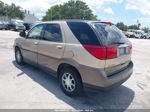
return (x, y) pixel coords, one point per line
(109, 34)
(84, 33)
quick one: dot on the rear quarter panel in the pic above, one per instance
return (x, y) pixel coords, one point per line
(75, 51)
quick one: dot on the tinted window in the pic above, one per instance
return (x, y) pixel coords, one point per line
(36, 32)
(83, 33)
(53, 33)
(110, 34)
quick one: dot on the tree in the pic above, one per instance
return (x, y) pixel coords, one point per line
(73, 9)
(146, 29)
(53, 13)
(135, 27)
(122, 26)
(11, 11)
(2, 12)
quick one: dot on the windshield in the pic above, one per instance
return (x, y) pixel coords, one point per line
(19, 23)
(110, 34)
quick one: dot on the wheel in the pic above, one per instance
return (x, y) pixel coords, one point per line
(70, 81)
(131, 36)
(19, 57)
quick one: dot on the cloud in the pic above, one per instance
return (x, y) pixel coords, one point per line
(141, 5)
(98, 3)
(144, 20)
(109, 11)
(39, 7)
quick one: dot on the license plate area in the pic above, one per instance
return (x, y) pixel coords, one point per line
(123, 51)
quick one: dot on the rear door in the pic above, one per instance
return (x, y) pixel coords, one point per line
(51, 47)
(110, 35)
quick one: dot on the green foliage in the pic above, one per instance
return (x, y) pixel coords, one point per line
(135, 27)
(146, 29)
(73, 9)
(53, 13)
(14, 11)
(122, 26)
(1, 8)
(11, 11)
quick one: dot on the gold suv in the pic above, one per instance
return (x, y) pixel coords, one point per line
(81, 54)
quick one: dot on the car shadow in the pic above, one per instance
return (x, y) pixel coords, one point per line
(116, 100)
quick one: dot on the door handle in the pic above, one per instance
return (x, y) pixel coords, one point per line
(35, 43)
(59, 47)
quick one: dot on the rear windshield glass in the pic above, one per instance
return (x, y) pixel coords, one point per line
(84, 33)
(110, 34)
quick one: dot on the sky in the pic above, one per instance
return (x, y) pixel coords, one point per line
(127, 11)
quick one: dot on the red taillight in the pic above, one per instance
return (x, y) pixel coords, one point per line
(97, 51)
(102, 52)
(112, 52)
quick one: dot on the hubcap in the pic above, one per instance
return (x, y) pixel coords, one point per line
(18, 56)
(68, 82)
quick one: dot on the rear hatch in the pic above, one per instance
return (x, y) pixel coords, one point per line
(109, 35)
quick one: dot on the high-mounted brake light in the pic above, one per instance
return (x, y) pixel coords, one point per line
(108, 23)
(102, 52)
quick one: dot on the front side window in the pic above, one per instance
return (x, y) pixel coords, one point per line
(36, 32)
(53, 33)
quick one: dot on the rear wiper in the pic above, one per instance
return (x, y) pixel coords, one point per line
(119, 43)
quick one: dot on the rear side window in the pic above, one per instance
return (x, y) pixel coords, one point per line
(53, 33)
(83, 33)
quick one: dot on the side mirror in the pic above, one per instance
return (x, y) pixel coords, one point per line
(22, 34)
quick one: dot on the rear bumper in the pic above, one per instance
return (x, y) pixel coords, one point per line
(96, 78)
(89, 87)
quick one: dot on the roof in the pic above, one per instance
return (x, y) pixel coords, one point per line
(72, 20)
(75, 20)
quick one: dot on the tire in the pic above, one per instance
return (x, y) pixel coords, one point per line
(19, 57)
(131, 36)
(70, 81)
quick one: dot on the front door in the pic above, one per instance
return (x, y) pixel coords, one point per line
(30, 44)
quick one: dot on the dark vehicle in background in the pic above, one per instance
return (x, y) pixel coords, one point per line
(28, 26)
(3, 26)
(11, 26)
(16, 25)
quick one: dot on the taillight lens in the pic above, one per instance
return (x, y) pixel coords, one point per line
(102, 52)
(112, 52)
(97, 51)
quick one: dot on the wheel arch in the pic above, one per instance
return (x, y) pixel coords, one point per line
(63, 65)
(16, 47)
